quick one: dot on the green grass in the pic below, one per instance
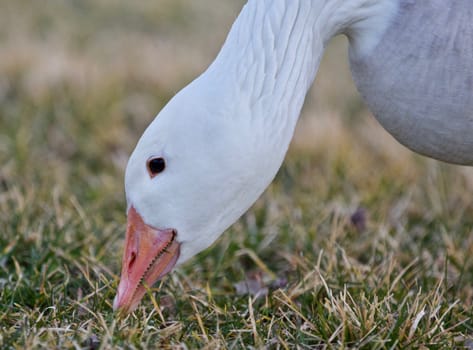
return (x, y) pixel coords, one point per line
(294, 272)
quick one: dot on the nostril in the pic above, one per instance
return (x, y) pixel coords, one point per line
(132, 260)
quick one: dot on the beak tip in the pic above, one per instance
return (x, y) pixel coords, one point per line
(121, 303)
(115, 303)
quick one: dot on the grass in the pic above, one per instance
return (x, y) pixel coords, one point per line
(358, 243)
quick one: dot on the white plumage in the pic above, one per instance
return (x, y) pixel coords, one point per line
(224, 136)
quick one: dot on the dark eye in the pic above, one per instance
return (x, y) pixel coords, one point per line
(156, 166)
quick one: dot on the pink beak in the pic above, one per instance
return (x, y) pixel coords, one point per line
(149, 254)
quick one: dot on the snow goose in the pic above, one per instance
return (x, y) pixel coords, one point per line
(219, 142)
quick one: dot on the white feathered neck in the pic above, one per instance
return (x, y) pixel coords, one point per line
(273, 51)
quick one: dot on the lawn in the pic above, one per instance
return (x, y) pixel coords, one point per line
(358, 243)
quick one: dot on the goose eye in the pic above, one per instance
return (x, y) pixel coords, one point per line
(156, 166)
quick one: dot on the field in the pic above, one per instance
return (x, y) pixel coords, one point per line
(358, 243)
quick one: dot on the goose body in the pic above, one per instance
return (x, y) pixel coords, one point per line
(418, 81)
(219, 142)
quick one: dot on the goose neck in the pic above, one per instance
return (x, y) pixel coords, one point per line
(273, 51)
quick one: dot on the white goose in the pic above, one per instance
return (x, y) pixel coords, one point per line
(219, 142)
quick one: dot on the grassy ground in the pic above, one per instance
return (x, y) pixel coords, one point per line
(358, 243)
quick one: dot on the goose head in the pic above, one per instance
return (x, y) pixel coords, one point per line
(197, 168)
